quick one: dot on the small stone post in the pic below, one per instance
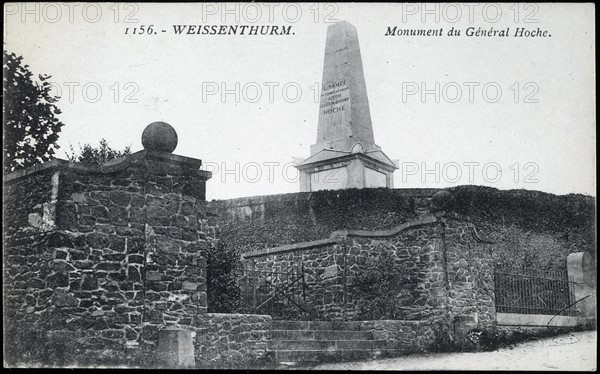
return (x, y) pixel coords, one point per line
(175, 349)
(580, 268)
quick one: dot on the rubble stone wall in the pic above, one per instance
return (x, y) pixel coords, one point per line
(232, 340)
(100, 258)
(405, 336)
(442, 272)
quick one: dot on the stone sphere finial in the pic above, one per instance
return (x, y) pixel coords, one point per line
(159, 136)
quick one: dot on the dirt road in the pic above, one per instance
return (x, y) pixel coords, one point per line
(575, 351)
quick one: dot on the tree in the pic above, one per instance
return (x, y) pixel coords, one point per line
(100, 155)
(31, 127)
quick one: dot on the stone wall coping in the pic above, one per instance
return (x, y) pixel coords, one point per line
(338, 235)
(304, 196)
(111, 166)
(426, 220)
(238, 315)
(289, 248)
(410, 321)
(533, 320)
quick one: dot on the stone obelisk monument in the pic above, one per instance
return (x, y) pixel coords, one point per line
(345, 154)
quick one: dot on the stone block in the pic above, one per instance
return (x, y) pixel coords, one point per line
(192, 286)
(95, 240)
(62, 298)
(580, 267)
(108, 266)
(59, 239)
(167, 245)
(35, 220)
(175, 349)
(58, 280)
(153, 276)
(133, 274)
(330, 271)
(89, 283)
(99, 211)
(62, 266)
(120, 198)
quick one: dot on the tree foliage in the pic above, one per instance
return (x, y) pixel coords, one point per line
(96, 155)
(31, 127)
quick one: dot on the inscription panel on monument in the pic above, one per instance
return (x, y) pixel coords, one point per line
(335, 97)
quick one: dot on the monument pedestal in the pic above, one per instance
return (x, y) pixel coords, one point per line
(353, 170)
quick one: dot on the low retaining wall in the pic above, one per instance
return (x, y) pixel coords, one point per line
(232, 340)
(581, 272)
(507, 335)
(404, 336)
(543, 320)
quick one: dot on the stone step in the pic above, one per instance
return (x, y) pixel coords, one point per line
(315, 325)
(317, 355)
(311, 345)
(320, 335)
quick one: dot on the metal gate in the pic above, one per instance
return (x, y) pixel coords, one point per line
(534, 291)
(278, 293)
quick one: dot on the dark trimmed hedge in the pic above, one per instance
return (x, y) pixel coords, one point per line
(313, 216)
(571, 218)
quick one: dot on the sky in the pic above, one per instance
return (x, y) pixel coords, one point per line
(502, 111)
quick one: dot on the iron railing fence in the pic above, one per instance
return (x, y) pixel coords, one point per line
(534, 291)
(279, 293)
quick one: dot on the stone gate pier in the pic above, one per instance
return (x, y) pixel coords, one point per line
(100, 259)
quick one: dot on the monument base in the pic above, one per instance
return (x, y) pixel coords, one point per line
(356, 170)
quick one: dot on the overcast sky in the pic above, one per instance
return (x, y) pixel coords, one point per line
(544, 141)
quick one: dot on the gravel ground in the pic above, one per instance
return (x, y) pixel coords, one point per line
(574, 351)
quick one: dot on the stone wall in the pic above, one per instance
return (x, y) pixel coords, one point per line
(405, 336)
(250, 226)
(419, 288)
(524, 229)
(31, 272)
(232, 340)
(469, 272)
(324, 291)
(100, 257)
(432, 269)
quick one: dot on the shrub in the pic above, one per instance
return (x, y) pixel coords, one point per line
(379, 285)
(223, 293)
(443, 341)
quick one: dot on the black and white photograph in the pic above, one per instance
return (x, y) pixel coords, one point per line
(313, 186)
